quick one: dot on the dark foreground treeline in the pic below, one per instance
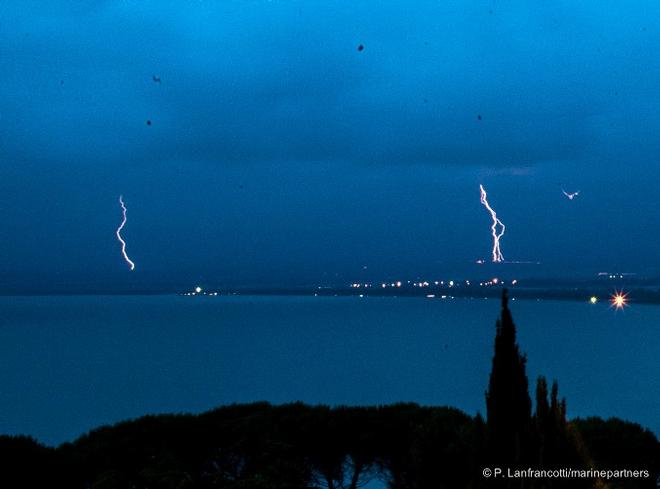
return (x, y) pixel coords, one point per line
(300, 446)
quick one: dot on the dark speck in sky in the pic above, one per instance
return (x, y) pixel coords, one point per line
(148, 122)
(479, 117)
(360, 47)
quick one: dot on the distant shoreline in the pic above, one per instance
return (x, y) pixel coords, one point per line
(648, 296)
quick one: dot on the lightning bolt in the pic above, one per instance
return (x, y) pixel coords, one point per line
(118, 233)
(497, 254)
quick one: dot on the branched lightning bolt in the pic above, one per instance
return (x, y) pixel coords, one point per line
(497, 254)
(118, 233)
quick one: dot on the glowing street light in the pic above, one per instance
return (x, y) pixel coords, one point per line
(618, 300)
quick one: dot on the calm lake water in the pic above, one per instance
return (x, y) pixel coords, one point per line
(69, 364)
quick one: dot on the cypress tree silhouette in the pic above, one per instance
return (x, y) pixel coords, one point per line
(507, 399)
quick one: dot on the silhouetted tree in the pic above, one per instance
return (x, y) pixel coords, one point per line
(507, 399)
(558, 444)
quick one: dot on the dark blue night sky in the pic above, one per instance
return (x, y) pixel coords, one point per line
(279, 153)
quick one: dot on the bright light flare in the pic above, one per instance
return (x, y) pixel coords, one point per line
(118, 233)
(497, 253)
(618, 300)
(593, 299)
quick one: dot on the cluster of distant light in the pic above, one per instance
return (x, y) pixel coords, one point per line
(617, 275)
(426, 283)
(497, 281)
(618, 300)
(199, 291)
